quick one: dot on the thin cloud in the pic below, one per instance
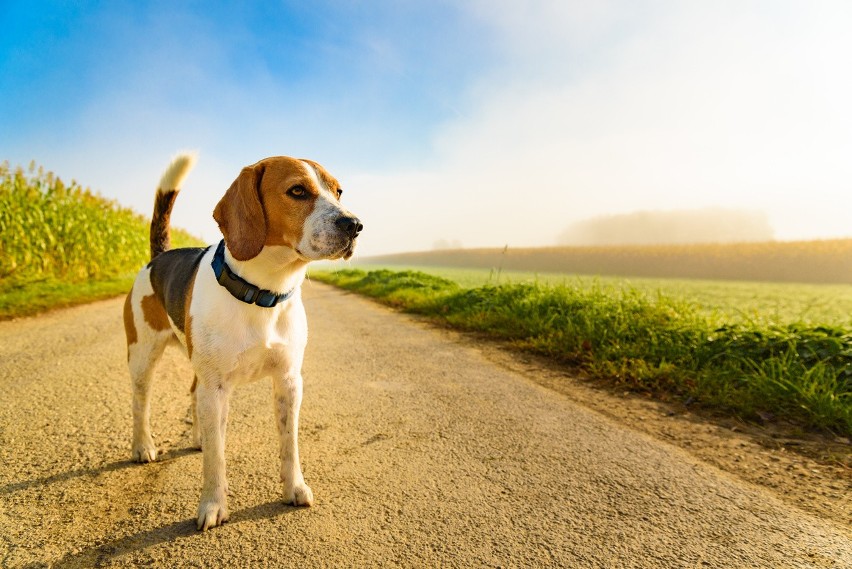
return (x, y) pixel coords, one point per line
(730, 105)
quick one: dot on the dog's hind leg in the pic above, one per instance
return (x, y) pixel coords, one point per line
(142, 357)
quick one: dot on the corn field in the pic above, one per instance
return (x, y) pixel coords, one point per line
(52, 230)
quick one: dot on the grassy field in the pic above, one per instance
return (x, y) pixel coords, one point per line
(645, 340)
(60, 244)
(723, 301)
(821, 262)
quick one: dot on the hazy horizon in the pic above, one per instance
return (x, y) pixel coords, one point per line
(472, 123)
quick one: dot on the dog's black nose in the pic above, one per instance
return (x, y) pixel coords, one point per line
(349, 225)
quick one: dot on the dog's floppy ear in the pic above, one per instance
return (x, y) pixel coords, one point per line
(240, 215)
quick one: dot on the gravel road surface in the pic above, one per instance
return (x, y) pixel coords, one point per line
(420, 451)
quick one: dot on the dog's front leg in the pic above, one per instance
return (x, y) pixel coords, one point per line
(288, 400)
(212, 408)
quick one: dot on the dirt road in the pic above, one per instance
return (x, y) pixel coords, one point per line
(420, 452)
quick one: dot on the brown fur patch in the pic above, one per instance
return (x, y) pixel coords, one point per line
(129, 325)
(160, 235)
(285, 215)
(286, 222)
(154, 313)
(240, 214)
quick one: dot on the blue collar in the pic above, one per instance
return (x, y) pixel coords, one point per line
(241, 289)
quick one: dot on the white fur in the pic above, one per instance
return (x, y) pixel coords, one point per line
(176, 172)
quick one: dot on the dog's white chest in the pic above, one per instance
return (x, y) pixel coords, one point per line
(262, 360)
(273, 346)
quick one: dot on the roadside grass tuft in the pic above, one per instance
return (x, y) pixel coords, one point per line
(33, 298)
(668, 347)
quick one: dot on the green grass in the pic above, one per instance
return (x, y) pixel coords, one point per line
(61, 244)
(653, 343)
(36, 297)
(724, 301)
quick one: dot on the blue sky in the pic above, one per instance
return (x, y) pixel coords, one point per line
(482, 123)
(334, 79)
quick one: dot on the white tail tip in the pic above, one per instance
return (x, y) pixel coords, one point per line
(176, 172)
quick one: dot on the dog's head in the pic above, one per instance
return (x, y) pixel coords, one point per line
(290, 202)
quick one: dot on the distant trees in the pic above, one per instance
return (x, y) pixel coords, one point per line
(712, 225)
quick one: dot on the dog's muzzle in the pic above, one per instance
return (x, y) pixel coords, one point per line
(351, 227)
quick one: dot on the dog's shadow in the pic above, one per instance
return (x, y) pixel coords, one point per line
(102, 553)
(98, 555)
(92, 472)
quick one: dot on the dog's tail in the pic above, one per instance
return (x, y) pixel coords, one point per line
(167, 191)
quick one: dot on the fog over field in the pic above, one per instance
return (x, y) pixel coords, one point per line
(712, 225)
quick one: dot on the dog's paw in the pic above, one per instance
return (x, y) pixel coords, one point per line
(300, 495)
(211, 513)
(144, 451)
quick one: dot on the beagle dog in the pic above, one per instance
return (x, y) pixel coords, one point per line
(236, 308)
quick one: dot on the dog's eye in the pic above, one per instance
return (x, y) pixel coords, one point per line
(339, 193)
(298, 192)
